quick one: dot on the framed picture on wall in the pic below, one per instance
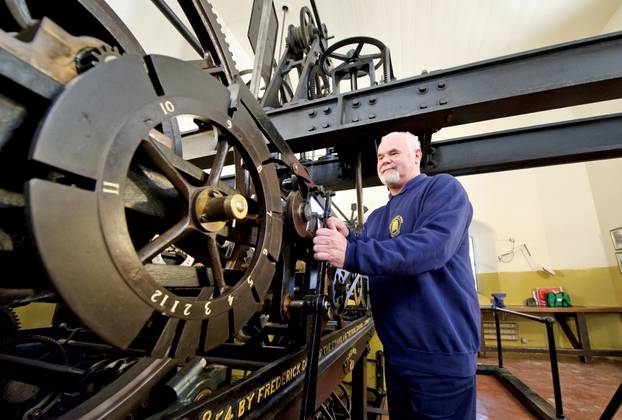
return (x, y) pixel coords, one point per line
(619, 258)
(616, 237)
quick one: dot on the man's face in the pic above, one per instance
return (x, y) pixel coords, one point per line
(397, 164)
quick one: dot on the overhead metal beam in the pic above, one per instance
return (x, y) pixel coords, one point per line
(584, 71)
(543, 145)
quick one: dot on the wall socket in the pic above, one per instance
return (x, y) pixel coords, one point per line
(524, 340)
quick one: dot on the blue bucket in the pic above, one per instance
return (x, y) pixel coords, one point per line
(497, 300)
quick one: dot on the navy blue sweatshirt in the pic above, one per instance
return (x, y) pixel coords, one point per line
(415, 251)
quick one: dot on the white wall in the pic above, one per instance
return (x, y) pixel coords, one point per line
(550, 209)
(605, 177)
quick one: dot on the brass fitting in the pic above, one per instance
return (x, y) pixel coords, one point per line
(213, 208)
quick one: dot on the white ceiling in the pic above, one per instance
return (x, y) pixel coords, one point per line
(422, 35)
(436, 34)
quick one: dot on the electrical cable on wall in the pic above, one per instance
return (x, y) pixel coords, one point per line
(508, 256)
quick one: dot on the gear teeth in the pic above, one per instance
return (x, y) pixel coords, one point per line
(90, 57)
(16, 320)
(9, 322)
(221, 43)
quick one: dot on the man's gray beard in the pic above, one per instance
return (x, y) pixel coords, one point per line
(390, 178)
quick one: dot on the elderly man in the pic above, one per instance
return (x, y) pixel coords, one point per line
(415, 251)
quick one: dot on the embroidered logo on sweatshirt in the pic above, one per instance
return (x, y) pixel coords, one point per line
(396, 225)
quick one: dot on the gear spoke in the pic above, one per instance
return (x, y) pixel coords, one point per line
(168, 169)
(215, 264)
(251, 219)
(194, 244)
(242, 178)
(219, 162)
(245, 234)
(175, 160)
(358, 49)
(373, 56)
(172, 234)
(340, 57)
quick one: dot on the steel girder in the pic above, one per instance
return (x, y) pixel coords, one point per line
(549, 144)
(573, 73)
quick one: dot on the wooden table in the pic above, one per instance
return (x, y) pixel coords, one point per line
(580, 342)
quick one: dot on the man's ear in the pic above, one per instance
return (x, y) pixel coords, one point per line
(418, 155)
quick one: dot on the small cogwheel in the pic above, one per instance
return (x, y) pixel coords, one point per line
(88, 58)
(9, 322)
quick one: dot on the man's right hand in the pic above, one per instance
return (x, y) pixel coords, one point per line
(338, 225)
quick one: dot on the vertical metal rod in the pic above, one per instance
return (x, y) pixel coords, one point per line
(359, 388)
(498, 328)
(382, 393)
(264, 27)
(425, 139)
(354, 81)
(285, 10)
(380, 371)
(387, 75)
(310, 382)
(358, 173)
(559, 408)
(317, 22)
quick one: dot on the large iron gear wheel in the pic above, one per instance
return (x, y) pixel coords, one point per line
(99, 132)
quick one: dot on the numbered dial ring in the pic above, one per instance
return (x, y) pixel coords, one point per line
(119, 197)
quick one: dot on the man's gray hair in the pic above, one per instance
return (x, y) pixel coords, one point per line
(411, 139)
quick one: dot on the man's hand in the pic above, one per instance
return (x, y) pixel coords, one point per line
(330, 245)
(338, 224)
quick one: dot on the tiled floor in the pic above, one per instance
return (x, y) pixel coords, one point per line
(586, 388)
(496, 402)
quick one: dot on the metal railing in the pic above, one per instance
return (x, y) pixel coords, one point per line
(548, 322)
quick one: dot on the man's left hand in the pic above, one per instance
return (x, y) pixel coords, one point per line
(330, 245)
